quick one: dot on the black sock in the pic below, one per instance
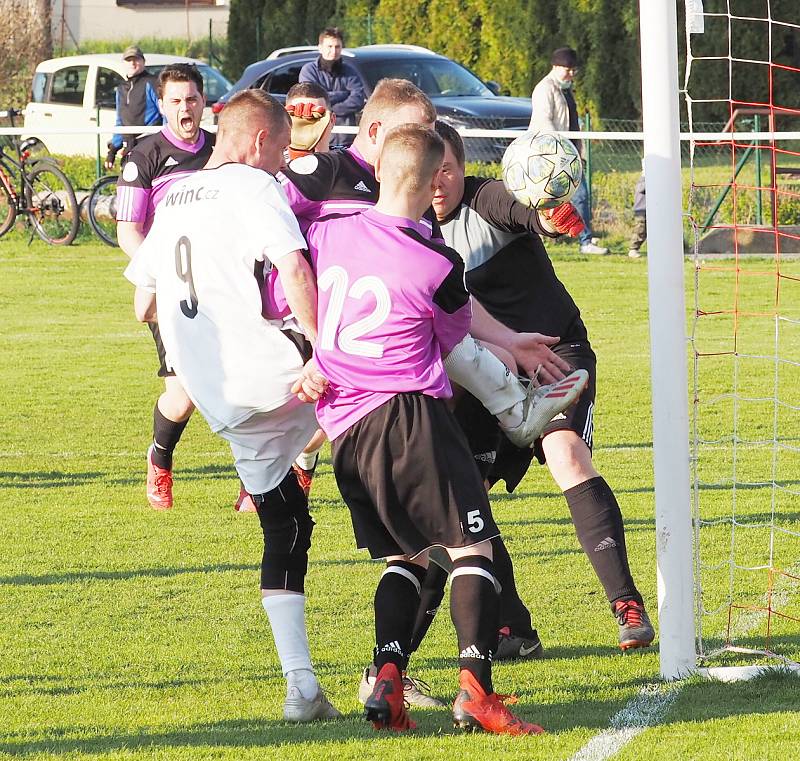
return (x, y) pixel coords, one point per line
(430, 598)
(513, 612)
(396, 604)
(474, 608)
(598, 524)
(166, 435)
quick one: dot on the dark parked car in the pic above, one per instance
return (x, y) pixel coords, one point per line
(460, 97)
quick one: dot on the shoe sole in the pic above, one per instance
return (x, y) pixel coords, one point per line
(380, 716)
(562, 396)
(467, 724)
(634, 644)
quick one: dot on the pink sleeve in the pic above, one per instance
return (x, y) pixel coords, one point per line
(450, 328)
(132, 203)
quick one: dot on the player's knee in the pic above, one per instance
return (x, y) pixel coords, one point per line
(287, 527)
(568, 457)
(174, 403)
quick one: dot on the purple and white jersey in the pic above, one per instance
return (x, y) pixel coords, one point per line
(339, 182)
(319, 184)
(151, 167)
(390, 306)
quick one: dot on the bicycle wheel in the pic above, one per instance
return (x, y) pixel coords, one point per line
(52, 207)
(101, 209)
(8, 205)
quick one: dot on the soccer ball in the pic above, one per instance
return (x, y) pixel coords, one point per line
(541, 170)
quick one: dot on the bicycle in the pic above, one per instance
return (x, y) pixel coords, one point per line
(101, 209)
(43, 192)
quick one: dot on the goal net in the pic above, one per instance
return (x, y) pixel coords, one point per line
(742, 225)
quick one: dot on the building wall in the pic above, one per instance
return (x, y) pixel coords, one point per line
(76, 21)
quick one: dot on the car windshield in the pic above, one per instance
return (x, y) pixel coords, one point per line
(434, 76)
(214, 84)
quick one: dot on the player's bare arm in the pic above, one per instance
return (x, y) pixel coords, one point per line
(301, 291)
(531, 351)
(144, 305)
(130, 236)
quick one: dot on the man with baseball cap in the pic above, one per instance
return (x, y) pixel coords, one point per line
(555, 110)
(137, 102)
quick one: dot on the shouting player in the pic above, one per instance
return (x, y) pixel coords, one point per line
(510, 273)
(179, 148)
(237, 367)
(390, 310)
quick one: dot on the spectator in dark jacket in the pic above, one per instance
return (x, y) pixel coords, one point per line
(337, 77)
(137, 102)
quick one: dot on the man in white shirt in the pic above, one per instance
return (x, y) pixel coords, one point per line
(554, 110)
(199, 271)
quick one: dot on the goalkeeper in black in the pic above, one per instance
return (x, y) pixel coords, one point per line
(509, 272)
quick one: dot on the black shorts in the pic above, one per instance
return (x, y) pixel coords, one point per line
(164, 368)
(406, 473)
(497, 458)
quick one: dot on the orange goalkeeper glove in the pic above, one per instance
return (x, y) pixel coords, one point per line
(563, 219)
(309, 123)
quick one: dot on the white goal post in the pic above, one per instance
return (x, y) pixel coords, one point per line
(662, 161)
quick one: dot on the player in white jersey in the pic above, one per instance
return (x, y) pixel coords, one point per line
(237, 367)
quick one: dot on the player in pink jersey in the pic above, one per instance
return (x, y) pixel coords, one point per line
(390, 310)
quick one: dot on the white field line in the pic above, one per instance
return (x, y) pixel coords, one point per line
(649, 707)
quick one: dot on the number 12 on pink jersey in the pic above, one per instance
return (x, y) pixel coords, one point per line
(336, 280)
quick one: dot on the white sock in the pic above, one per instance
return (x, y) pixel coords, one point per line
(307, 460)
(305, 681)
(288, 622)
(482, 374)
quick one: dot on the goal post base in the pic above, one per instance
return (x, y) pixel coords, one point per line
(744, 673)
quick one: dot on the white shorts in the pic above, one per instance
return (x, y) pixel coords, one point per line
(265, 445)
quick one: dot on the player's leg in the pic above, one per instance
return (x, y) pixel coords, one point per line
(304, 467)
(475, 611)
(518, 638)
(306, 462)
(365, 462)
(566, 448)
(437, 499)
(170, 416)
(522, 413)
(264, 447)
(415, 690)
(396, 603)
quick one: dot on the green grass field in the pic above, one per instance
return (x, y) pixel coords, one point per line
(131, 634)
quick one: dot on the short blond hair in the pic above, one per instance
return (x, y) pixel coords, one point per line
(246, 109)
(410, 156)
(391, 94)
